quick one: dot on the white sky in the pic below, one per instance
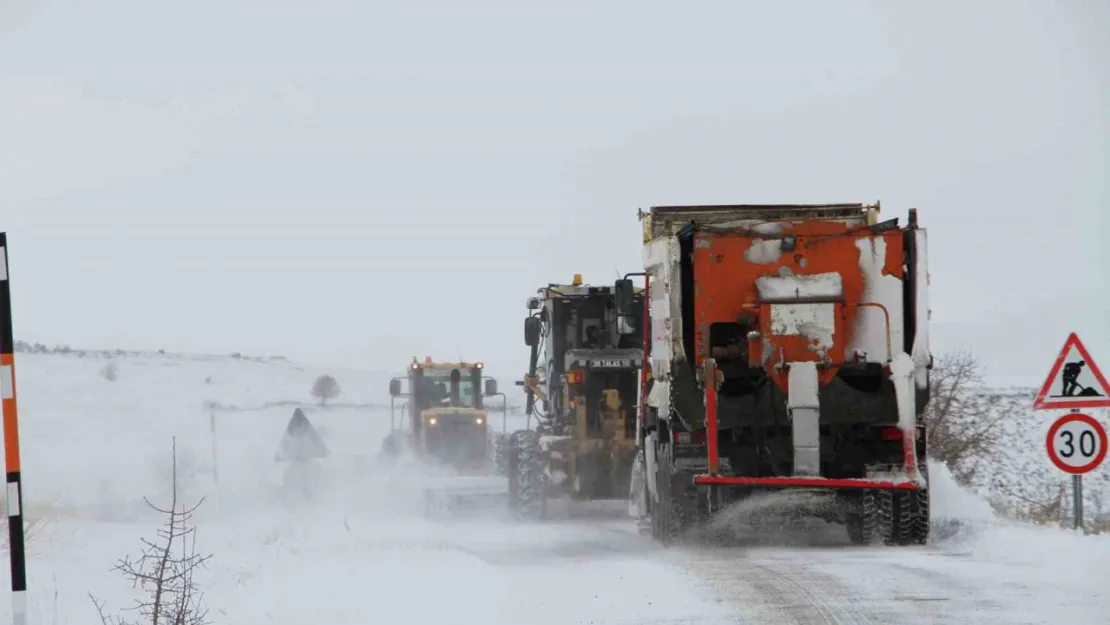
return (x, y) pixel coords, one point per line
(361, 182)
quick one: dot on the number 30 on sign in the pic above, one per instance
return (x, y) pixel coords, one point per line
(1076, 443)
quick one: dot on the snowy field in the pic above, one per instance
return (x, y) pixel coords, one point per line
(363, 552)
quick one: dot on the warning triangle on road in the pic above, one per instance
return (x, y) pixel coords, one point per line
(1074, 382)
(301, 441)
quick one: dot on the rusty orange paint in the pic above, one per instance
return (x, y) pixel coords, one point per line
(726, 283)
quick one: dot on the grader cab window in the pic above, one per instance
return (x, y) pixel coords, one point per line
(592, 324)
(588, 326)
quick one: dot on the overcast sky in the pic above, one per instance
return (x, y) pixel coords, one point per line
(359, 182)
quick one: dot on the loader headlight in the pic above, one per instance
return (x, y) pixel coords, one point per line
(432, 420)
(479, 420)
(479, 365)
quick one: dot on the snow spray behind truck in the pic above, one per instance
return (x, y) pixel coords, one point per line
(788, 349)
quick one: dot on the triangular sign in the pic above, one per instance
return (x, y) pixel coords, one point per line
(301, 440)
(1074, 382)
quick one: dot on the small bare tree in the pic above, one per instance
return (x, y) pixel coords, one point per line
(964, 417)
(324, 388)
(164, 570)
(109, 371)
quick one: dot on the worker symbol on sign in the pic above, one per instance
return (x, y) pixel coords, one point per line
(1071, 386)
(1074, 381)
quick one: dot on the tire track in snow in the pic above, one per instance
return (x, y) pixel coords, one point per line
(780, 592)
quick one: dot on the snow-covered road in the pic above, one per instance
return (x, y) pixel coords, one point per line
(363, 551)
(996, 578)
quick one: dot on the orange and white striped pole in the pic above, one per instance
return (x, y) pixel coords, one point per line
(16, 545)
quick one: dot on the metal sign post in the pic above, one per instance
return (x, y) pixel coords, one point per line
(1077, 493)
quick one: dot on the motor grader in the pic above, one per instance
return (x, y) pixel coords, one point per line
(581, 396)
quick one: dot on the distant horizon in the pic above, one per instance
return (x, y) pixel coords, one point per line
(320, 363)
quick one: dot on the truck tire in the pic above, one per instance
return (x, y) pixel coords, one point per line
(674, 511)
(863, 518)
(871, 517)
(913, 514)
(913, 518)
(892, 518)
(527, 481)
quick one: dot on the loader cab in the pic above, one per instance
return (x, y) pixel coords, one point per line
(446, 412)
(435, 385)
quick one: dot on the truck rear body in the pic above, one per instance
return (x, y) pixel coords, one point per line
(812, 319)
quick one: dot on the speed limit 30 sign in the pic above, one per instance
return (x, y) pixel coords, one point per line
(1076, 443)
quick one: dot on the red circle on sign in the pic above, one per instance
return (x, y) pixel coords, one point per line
(1099, 431)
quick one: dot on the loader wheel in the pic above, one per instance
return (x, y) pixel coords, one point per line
(391, 445)
(527, 482)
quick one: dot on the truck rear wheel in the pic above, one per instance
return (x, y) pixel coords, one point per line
(890, 517)
(863, 517)
(913, 518)
(675, 509)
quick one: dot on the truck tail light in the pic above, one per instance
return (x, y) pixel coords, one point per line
(688, 438)
(894, 433)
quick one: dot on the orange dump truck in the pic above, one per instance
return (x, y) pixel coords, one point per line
(788, 349)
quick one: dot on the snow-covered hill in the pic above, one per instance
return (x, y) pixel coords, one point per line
(362, 551)
(94, 447)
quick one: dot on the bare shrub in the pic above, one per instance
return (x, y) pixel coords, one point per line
(964, 417)
(324, 388)
(164, 570)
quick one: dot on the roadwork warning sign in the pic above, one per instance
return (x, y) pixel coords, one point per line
(301, 441)
(1075, 381)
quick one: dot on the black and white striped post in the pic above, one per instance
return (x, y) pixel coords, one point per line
(16, 548)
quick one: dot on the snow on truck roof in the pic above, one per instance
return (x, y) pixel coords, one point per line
(660, 221)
